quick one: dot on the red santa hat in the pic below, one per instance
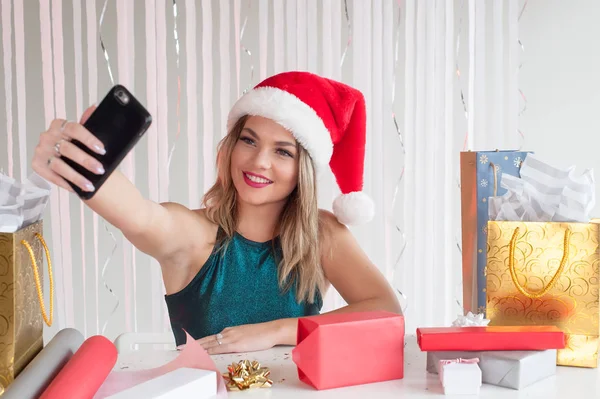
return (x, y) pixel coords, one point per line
(328, 119)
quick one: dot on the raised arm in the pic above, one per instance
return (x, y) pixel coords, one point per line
(147, 225)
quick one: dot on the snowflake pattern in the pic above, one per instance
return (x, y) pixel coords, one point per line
(484, 230)
(484, 183)
(483, 159)
(518, 161)
(498, 168)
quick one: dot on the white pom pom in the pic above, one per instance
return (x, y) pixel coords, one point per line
(353, 208)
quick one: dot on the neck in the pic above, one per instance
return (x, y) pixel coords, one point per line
(259, 223)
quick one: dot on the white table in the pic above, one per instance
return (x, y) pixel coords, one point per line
(569, 382)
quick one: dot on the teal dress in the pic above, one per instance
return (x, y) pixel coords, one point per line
(237, 285)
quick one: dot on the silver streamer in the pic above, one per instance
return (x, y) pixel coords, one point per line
(176, 38)
(521, 94)
(457, 236)
(100, 23)
(349, 41)
(114, 247)
(247, 51)
(106, 286)
(400, 137)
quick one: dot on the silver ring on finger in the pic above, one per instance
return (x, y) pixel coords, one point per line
(57, 146)
(62, 125)
(218, 338)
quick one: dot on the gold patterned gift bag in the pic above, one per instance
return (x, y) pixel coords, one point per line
(22, 310)
(546, 273)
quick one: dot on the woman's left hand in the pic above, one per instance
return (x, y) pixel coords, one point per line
(245, 338)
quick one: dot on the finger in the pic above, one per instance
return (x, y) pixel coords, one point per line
(52, 177)
(211, 338)
(77, 132)
(66, 172)
(209, 344)
(220, 349)
(74, 153)
(57, 124)
(87, 113)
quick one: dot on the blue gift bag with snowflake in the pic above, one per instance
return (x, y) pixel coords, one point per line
(480, 178)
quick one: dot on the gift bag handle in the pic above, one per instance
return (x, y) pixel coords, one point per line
(36, 275)
(495, 179)
(552, 283)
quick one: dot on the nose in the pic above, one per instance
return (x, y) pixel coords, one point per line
(263, 160)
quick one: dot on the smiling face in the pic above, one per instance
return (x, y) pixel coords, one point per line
(264, 162)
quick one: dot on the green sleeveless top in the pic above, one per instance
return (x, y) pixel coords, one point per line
(237, 285)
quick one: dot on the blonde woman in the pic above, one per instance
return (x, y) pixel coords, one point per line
(259, 254)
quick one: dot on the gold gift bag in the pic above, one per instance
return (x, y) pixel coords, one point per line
(21, 322)
(547, 274)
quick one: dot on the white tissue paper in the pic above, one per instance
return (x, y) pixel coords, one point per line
(22, 204)
(545, 193)
(471, 320)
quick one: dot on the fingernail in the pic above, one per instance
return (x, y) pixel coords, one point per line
(100, 170)
(99, 149)
(89, 187)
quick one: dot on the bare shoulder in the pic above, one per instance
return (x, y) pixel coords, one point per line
(330, 231)
(328, 223)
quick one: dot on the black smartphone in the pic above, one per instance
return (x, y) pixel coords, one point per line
(118, 122)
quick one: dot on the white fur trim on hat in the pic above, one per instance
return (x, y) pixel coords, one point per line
(353, 208)
(291, 113)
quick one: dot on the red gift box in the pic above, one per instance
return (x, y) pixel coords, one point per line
(348, 349)
(496, 338)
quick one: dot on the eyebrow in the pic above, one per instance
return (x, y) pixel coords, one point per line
(280, 143)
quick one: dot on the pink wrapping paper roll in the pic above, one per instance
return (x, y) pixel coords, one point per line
(83, 375)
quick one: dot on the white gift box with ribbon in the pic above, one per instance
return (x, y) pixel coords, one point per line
(460, 376)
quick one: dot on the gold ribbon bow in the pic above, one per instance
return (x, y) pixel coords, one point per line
(245, 375)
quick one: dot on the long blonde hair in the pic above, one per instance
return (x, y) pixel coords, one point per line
(299, 221)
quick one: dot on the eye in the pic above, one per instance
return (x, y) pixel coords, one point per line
(285, 153)
(247, 140)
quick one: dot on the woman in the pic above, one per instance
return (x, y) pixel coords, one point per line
(259, 254)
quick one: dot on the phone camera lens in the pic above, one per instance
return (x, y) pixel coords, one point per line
(122, 97)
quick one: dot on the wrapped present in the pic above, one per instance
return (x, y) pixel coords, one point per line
(179, 383)
(460, 376)
(542, 268)
(480, 177)
(500, 338)
(509, 369)
(21, 249)
(340, 350)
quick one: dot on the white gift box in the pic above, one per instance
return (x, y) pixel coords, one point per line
(509, 369)
(460, 376)
(182, 383)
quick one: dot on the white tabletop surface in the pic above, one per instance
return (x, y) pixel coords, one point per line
(569, 382)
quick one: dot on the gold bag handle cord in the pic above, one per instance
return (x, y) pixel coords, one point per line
(36, 276)
(552, 283)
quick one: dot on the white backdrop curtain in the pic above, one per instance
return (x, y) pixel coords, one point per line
(403, 55)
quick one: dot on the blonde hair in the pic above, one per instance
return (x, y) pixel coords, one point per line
(299, 221)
